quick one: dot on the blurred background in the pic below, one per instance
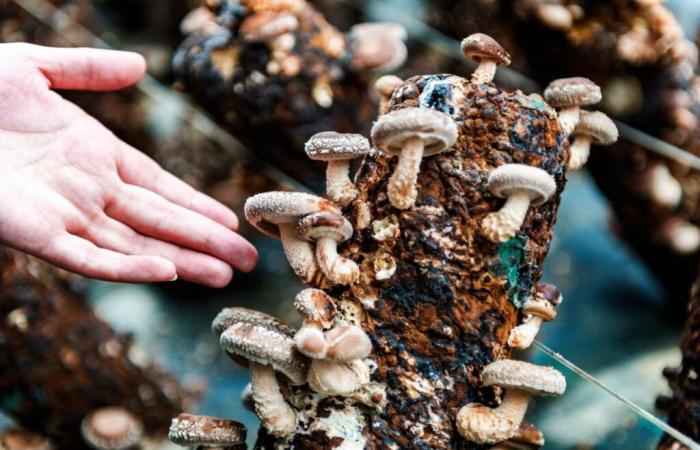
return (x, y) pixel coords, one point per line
(615, 322)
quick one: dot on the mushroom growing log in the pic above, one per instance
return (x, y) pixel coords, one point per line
(280, 70)
(435, 300)
(59, 362)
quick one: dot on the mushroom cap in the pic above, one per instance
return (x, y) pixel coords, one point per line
(230, 316)
(325, 225)
(437, 130)
(267, 25)
(14, 439)
(576, 91)
(510, 178)
(371, 29)
(347, 342)
(598, 126)
(193, 430)
(512, 374)
(265, 346)
(111, 428)
(480, 46)
(527, 437)
(267, 210)
(387, 84)
(314, 304)
(377, 46)
(549, 292)
(332, 146)
(541, 308)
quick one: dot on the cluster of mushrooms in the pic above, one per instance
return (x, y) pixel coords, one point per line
(331, 352)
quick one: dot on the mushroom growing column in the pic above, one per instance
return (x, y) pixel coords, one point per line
(435, 297)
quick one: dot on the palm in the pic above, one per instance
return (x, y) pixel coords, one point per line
(74, 194)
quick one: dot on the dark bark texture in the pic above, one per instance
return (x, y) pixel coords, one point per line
(448, 309)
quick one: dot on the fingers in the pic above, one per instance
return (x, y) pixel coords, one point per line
(87, 68)
(191, 266)
(78, 255)
(140, 170)
(154, 216)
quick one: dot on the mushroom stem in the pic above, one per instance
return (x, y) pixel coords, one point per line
(485, 72)
(502, 225)
(402, 184)
(310, 340)
(299, 253)
(579, 151)
(569, 118)
(339, 187)
(484, 425)
(275, 413)
(338, 269)
(523, 335)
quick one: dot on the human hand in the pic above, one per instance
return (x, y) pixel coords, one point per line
(75, 195)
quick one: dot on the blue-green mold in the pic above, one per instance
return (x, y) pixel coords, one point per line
(512, 264)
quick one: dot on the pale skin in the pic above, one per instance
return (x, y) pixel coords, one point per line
(75, 195)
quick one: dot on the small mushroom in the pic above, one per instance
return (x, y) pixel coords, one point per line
(554, 16)
(681, 236)
(592, 128)
(483, 425)
(318, 310)
(487, 53)
(15, 439)
(328, 230)
(347, 342)
(189, 430)
(337, 378)
(662, 187)
(266, 26)
(338, 149)
(200, 19)
(266, 350)
(521, 185)
(541, 308)
(111, 428)
(377, 47)
(231, 316)
(411, 133)
(277, 214)
(385, 87)
(570, 94)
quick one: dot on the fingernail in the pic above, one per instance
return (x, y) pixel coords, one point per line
(174, 278)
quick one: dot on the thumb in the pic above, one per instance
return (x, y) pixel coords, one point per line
(87, 68)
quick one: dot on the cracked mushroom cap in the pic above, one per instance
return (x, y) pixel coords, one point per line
(598, 126)
(111, 428)
(267, 25)
(14, 439)
(510, 178)
(230, 316)
(512, 374)
(576, 91)
(325, 225)
(333, 146)
(316, 305)
(192, 430)
(481, 46)
(267, 210)
(265, 346)
(437, 130)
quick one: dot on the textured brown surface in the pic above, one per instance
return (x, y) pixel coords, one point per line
(683, 407)
(651, 85)
(274, 114)
(454, 298)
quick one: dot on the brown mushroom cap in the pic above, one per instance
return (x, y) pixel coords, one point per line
(111, 428)
(576, 91)
(194, 430)
(265, 346)
(332, 146)
(324, 225)
(267, 25)
(230, 316)
(510, 178)
(267, 210)
(314, 304)
(437, 130)
(549, 292)
(512, 374)
(599, 127)
(14, 439)
(481, 46)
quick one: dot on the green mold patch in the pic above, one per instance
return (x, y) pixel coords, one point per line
(513, 265)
